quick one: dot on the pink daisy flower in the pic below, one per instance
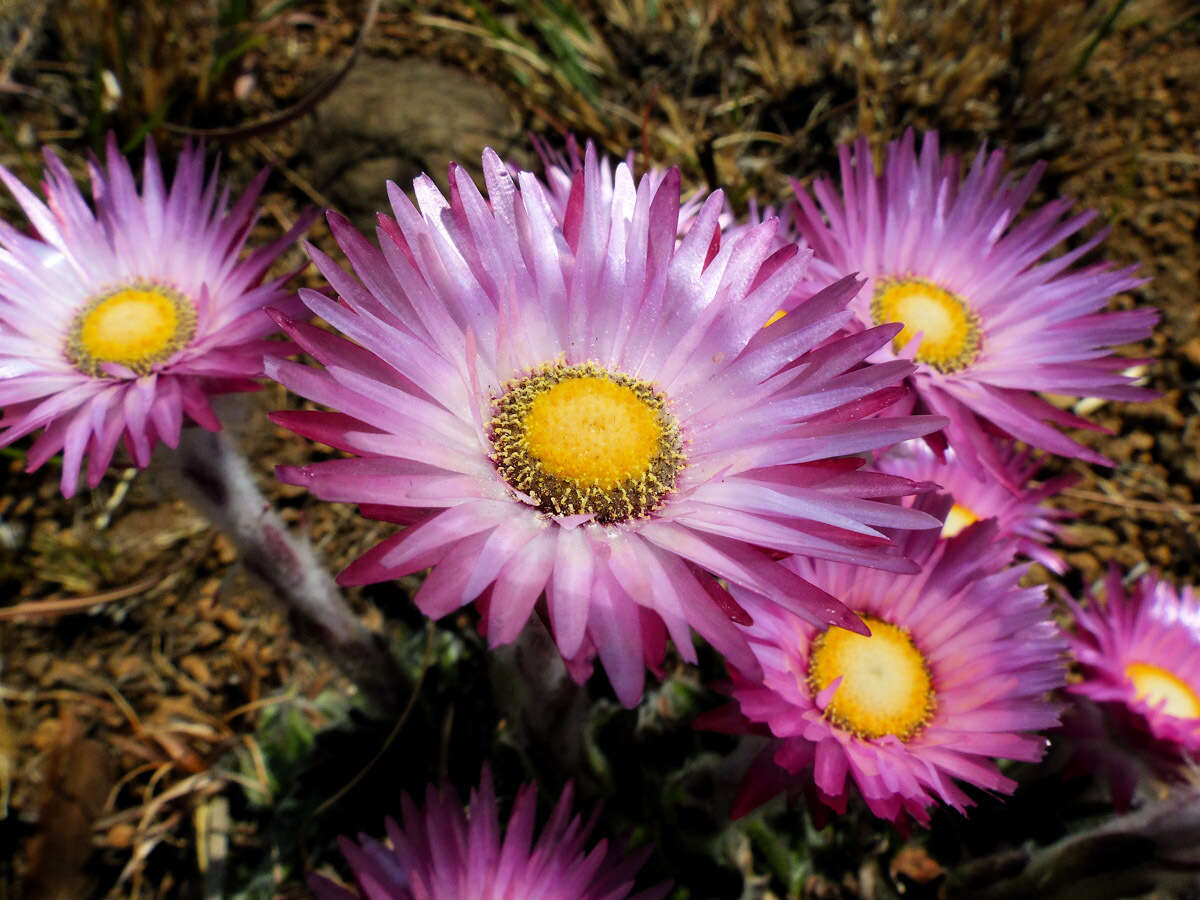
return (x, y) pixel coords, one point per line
(955, 672)
(121, 317)
(1019, 511)
(987, 323)
(443, 853)
(589, 408)
(1139, 655)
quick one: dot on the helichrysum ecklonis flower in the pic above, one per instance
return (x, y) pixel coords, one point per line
(590, 408)
(956, 671)
(1138, 653)
(1017, 505)
(988, 319)
(446, 853)
(122, 316)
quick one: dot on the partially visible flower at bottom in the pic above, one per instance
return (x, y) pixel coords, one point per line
(446, 853)
(1139, 655)
(1019, 510)
(956, 672)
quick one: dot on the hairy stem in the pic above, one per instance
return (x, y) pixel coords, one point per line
(217, 481)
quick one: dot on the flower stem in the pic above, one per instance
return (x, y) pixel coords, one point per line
(217, 481)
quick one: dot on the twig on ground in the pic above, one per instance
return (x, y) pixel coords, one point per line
(305, 104)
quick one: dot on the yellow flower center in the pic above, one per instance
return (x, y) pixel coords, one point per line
(957, 519)
(135, 326)
(1157, 686)
(580, 439)
(949, 329)
(886, 687)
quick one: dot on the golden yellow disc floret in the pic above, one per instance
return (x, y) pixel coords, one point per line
(949, 329)
(1156, 685)
(136, 327)
(592, 431)
(580, 439)
(886, 687)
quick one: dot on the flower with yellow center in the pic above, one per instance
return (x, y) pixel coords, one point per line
(1019, 510)
(957, 670)
(136, 327)
(885, 684)
(129, 309)
(949, 329)
(1163, 690)
(578, 414)
(1138, 657)
(996, 313)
